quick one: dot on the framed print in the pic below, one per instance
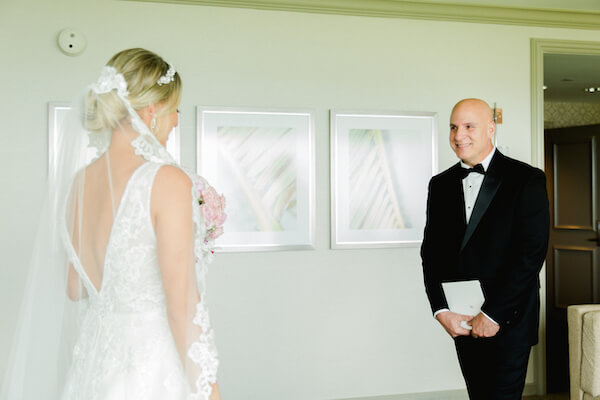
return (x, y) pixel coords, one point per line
(263, 162)
(57, 112)
(381, 163)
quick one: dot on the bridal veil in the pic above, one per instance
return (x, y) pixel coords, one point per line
(55, 298)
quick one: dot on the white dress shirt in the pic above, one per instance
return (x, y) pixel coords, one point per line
(471, 187)
(472, 184)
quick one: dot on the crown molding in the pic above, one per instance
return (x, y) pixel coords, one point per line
(418, 10)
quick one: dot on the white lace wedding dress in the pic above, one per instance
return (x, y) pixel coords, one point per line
(125, 349)
(95, 323)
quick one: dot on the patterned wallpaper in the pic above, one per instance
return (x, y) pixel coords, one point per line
(561, 115)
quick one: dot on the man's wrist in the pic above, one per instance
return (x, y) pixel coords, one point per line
(488, 317)
(441, 310)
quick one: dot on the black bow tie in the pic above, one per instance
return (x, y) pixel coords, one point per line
(466, 171)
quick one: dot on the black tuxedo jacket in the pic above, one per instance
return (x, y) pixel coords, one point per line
(503, 245)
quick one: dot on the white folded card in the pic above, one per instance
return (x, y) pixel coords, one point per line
(464, 297)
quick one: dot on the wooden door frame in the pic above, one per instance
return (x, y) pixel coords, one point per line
(539, 47)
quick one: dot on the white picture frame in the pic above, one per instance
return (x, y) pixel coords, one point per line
(262, 160)
(57, 111)
(381, 164)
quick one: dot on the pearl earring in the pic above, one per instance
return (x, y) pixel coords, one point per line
(153, 124)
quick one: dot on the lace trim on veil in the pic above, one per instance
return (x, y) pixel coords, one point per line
(202, 350)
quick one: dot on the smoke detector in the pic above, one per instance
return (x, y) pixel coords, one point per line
(71, 42)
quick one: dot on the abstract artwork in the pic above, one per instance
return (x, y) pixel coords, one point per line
(381, 164)
(262, 161)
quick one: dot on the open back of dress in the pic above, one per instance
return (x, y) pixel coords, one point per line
(99, 196)
(125, 349)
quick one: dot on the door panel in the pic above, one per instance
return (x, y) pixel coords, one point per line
(573, 274)
(573, 174)
(572, 261)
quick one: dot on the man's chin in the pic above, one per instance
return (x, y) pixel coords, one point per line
(463, 156)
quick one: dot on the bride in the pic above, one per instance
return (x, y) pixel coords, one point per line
(115, 302)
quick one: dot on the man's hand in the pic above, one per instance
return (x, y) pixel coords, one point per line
(483, 327)
(451, 323)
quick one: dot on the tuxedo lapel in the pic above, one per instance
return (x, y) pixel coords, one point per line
(460, 195)
(455, 191)
(488, 190)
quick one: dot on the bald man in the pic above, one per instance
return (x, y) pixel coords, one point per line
(487, 220)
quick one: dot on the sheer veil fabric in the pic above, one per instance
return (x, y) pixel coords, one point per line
(97, 320)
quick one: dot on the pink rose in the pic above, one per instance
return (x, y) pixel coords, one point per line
(215, 233)
(212, 207)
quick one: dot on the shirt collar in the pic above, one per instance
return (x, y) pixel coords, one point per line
(486, 161)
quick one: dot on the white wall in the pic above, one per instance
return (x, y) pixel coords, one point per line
(302, 325)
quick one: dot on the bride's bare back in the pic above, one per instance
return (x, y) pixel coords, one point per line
(105, 182)
(97, 205)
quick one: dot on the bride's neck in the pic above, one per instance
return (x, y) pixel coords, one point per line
(120, 143)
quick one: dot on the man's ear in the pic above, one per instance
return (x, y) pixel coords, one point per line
(491, 129)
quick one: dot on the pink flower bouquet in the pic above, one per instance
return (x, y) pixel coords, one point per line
(212, 208)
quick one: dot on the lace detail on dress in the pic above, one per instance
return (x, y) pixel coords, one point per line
(203, 351)
(126, 345)
(100, 141)
(151, 150)
(125, 349)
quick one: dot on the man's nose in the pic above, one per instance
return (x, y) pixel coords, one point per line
(460, 133)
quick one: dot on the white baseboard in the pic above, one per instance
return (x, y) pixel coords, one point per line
(444, 395)
(530, 389)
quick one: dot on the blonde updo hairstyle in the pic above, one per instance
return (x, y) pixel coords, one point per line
(141, 69)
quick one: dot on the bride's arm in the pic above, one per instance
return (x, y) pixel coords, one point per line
(172, 218)
(171, 206)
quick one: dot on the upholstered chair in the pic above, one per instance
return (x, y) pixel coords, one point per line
(584, 351)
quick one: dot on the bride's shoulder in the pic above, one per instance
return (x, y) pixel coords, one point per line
(171, 180)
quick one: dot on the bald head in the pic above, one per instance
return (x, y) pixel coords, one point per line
(471, 130)
(476, 106)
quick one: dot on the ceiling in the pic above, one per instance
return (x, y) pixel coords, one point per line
(572, 14)
(567, 5)
(566, 76)
(579, 5)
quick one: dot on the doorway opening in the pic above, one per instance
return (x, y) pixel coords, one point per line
(566, 144)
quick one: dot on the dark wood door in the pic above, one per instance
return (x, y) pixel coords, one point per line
(572, 273)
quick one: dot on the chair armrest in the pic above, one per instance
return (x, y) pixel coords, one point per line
(575, 321)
